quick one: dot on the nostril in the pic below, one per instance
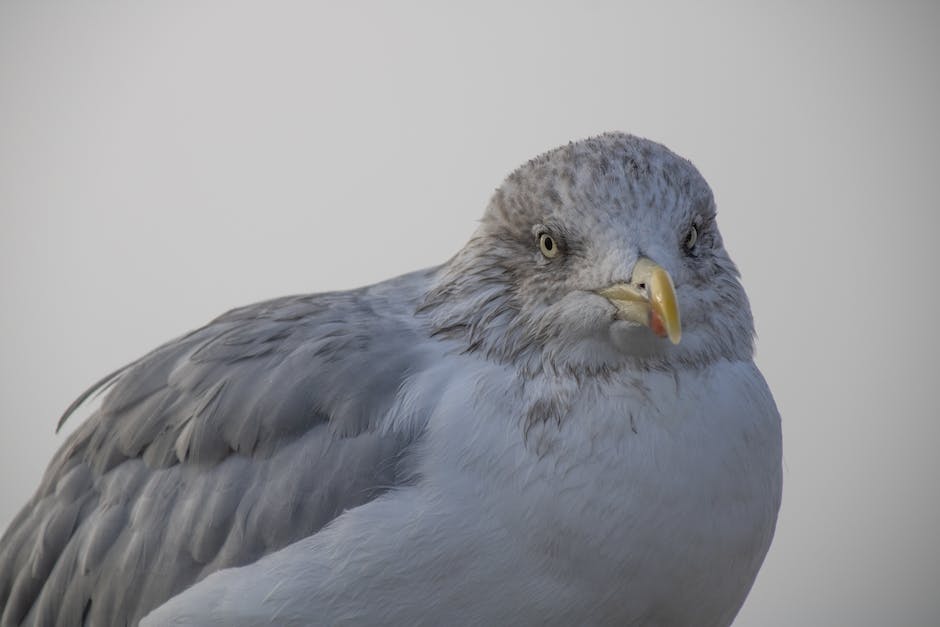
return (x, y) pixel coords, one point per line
(641, 286)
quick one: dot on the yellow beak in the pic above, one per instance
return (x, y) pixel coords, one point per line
(649, 299)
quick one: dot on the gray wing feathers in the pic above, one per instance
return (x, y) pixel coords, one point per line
(215, 449)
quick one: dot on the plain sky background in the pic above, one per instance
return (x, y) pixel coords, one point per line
(163, 162)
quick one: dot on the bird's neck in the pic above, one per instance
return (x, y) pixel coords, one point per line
(471, 303)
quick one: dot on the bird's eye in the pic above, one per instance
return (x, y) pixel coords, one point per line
(548, 245)
(690, 238)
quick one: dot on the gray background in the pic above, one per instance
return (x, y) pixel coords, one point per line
(163, 162)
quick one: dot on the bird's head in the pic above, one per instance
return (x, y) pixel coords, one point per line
(594, 255)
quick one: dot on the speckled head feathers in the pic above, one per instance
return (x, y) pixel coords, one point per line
(607, 177)
(605, 201)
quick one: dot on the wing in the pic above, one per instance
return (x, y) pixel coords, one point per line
(216, 449)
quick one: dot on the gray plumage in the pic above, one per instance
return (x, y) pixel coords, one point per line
(213, 450)
(239, 442)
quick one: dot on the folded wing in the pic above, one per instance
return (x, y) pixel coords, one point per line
(218, 448)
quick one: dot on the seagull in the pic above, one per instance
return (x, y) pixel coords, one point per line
(561, 425)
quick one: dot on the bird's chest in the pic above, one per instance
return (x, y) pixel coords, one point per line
(654, 488)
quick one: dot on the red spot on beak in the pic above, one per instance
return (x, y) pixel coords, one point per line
(656, 324)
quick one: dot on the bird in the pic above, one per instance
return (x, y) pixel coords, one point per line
(563, 424)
